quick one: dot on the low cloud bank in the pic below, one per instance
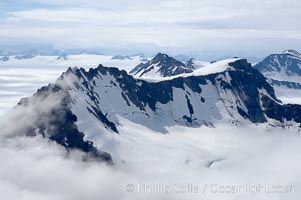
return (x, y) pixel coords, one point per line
(36, 168)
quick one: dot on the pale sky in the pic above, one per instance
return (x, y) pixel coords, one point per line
(195, 27)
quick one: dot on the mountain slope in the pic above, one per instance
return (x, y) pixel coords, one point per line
(160, 66)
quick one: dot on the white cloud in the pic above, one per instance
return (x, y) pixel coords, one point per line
(34, 168)
(190, 25)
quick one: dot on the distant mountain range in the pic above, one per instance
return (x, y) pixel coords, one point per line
(62, 55)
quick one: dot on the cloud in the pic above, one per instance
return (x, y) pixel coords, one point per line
(35, 168)
(33, 111)
(174, 25)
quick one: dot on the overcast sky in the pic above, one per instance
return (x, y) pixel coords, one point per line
(195, 27)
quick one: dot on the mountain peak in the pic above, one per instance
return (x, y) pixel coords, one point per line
(160, 57)
(160, 66)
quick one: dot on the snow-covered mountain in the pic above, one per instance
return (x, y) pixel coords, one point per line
(286, 63)
(83, 107)
(161, 65)
(284, 73)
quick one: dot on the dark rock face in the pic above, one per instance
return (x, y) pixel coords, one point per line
(58, 123)
(271, 107)
(101, 117)
(282, 112)
(246, 86)
(168, 66)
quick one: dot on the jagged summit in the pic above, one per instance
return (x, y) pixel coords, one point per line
(161, 65)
